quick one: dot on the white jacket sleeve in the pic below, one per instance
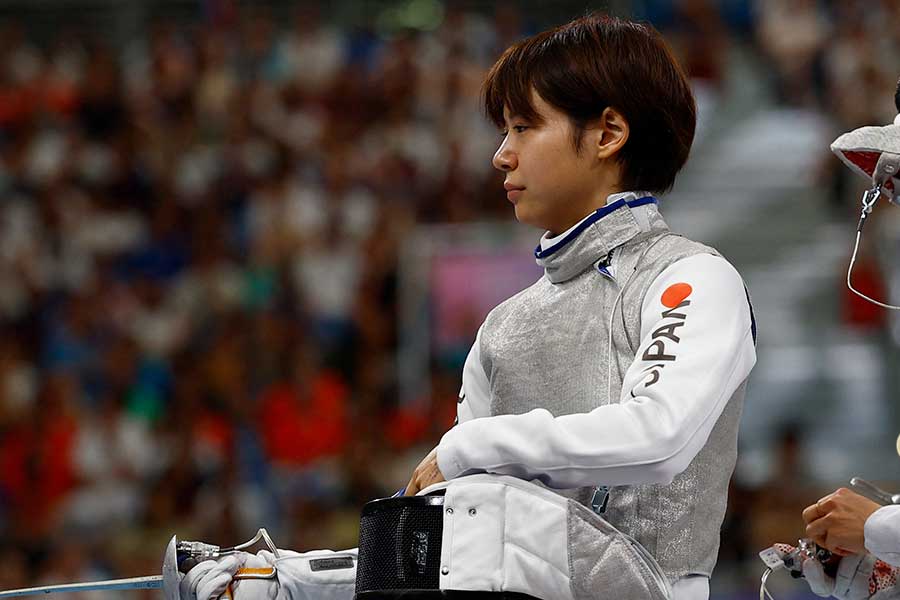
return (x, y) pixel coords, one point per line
(475, 394)
(882, 534)
(693, 355)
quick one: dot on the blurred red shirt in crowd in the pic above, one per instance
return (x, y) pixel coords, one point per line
(300, 423)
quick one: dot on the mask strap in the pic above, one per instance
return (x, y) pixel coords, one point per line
(869, 198)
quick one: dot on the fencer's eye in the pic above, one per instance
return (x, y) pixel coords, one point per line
(516, 128)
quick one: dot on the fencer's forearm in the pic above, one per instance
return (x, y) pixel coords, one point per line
(661, 422)
(882, 534)
(622, 444)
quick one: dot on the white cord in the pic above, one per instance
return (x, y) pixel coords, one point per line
(868, 200)
(262, 534)
(269, 542)
(853, 289)
(609, 356)
(763, 592)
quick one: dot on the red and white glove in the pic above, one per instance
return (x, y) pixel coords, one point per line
(858, 577)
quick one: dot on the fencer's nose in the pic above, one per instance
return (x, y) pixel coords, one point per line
(504, 158)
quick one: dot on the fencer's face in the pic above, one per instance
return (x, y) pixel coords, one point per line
(550, 184)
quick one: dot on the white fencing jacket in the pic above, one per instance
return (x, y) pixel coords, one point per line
(653, 433)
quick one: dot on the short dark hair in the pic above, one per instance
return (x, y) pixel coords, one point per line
(595, 62)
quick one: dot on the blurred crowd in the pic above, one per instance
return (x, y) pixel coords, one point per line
(841, 57)
(199, 237)
(198, 272)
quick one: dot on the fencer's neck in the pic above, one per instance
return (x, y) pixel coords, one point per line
(549, 239)
(624, 218)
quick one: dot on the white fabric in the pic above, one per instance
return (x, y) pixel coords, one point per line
(883, 140)
(499, 534)
(821, 584)
(872, 138)
(692, 587)
(882, 534)
(475, 394)
(294, 580)
(299, 582)
(210, 578)
(547, 241)
(505, 534)
(654, 433)
(851, 581)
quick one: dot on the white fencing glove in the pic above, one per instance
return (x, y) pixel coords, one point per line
(314, 575)
(209, 579)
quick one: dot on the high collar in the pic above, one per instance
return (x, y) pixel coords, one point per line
(613, 225)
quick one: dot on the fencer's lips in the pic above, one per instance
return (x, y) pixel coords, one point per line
(513, 191)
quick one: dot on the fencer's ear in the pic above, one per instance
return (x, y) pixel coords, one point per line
(611, 132)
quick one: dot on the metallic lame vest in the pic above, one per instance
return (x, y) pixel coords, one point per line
(549, 347)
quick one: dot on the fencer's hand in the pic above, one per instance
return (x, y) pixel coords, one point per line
(207, 580)
(837, 521)
(427, 473)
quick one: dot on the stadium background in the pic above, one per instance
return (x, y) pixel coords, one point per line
(231, 286)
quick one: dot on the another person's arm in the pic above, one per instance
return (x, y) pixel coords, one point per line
(847, 523)
(882, 534)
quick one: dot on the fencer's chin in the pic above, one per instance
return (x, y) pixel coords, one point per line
(521, 214)
(526, 216)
